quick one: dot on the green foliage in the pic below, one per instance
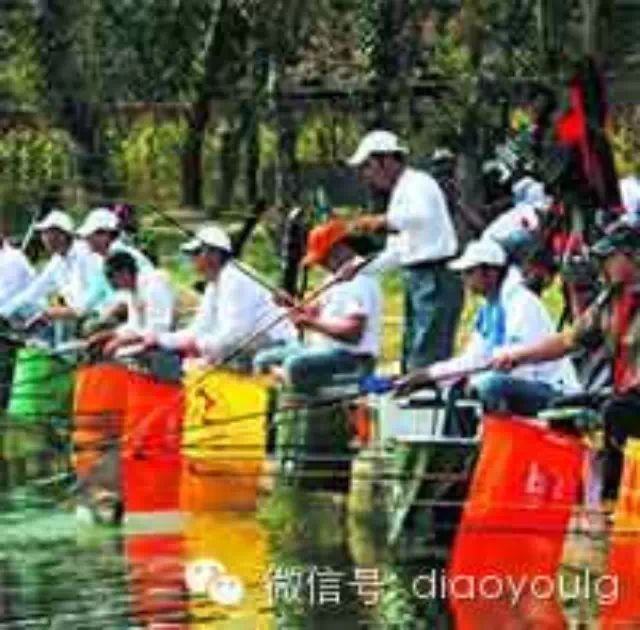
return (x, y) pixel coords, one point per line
(31, 161)
(146, 160)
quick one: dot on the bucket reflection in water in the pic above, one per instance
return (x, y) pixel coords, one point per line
(231, 551)
(224, 441)
(507, 552)
(620, 605)
(156, 580)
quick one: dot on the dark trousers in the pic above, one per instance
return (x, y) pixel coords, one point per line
(621, 421)
(433, 303)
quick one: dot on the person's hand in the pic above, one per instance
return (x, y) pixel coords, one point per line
(283, 299)
(149, 341)
(99, 338)
(304, 316)
(414, 381)
(505, 360)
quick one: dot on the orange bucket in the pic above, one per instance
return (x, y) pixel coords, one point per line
(150, 461)
(620, 606)
(99, 405)
(513, 527)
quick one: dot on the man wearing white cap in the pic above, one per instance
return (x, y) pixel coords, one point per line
(233, 308)
(71, 274)
(511, 316)
(421, 240)
(101, 229)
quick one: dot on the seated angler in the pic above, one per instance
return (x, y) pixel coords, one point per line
(511, 316)
(345, 320)
(149, 300)
(73, 274)
(101, 230)
(614, 318)
(236, 316)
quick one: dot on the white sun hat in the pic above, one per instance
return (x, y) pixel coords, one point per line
(378, 141)
(98, 219)
(483, 252)
(56, 219)
(209, 236)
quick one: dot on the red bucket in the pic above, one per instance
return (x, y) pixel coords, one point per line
(513, 528)
(151, 461)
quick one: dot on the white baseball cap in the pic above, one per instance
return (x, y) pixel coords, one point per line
(483, 252)
(378, 141)
(56, 219)
(208, 236)
(98, 219)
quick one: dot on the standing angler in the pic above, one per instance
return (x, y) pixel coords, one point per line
(421, 240)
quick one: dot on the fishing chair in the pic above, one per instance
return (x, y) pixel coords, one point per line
(425, 447)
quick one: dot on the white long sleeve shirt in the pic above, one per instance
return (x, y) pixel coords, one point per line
(16, 272)
(151, 307)
(230, 311)
(74, 276)
(418, 212)
(525, 321)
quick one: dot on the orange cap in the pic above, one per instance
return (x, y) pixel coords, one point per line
(322, 239)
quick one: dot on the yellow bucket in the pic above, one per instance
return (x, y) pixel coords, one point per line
(223, 440)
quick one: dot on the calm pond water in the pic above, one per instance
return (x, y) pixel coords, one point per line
(299, 561)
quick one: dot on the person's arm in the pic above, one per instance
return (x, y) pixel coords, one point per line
(548, 349)
(348, 329)
(473, 356)
(36, 293)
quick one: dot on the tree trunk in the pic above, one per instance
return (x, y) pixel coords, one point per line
(192, 155)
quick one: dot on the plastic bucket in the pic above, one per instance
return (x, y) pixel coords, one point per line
(623, 565)
(514, 524)
(150, 457)
(223, 440)
(42, 386)
(99, 405)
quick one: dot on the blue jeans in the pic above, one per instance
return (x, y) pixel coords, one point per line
(306, 368)
(433, 303)
(502, 392)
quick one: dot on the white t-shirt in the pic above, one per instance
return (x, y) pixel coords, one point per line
(231, 311)
(151, 307)
(359, 296)
(630, 194)
(526, 322)
(418, 211)
(15, 272)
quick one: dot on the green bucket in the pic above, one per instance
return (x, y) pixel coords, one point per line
(42, 387)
